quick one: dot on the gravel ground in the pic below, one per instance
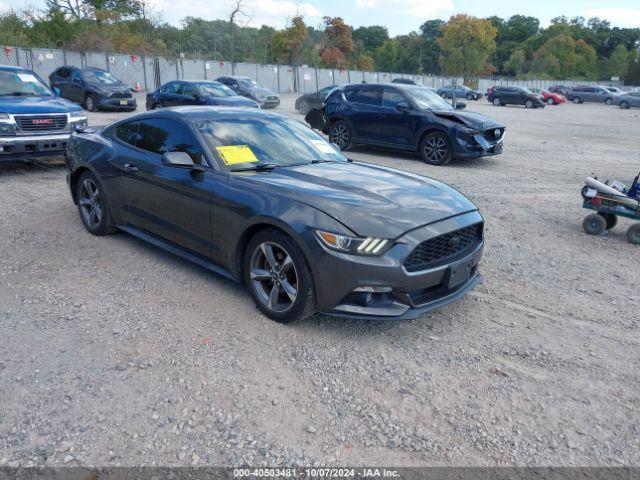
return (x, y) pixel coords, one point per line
(115, 353)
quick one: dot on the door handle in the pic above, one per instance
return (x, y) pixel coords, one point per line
(130, 167)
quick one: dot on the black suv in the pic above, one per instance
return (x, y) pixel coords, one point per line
(93, 88)
(501, 95)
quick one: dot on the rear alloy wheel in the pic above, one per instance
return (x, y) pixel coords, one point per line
(470, 96)
(528, 104)
(340, 134)
(608, 101)
(304, 108)
(279, 277)
(594, 224)
(90, 103)
(624, 105)
(436, 149)
(93, 207)
(497, 102)
(576, 100)
(550, 101)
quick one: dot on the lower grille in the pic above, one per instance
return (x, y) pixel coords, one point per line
(444, 248)
(120, 95)
(41, 123)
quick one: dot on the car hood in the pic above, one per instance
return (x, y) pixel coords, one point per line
(263, 92)
(370, 200)
(118, 87)
(25, 105)
(236, 101)
(469, 119)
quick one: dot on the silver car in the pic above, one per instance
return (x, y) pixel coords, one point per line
(629, 99)
(586, 93)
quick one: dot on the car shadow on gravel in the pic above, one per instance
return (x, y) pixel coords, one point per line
(11, 168)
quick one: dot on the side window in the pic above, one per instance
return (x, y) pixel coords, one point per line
(127, 132)
(160, 135)
(188, 90)
(75, 76)
(63, 73)
(367, 96)
(171, 88)
(390, 98)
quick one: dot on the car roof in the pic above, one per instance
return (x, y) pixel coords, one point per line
(191, 113)
(10, 68)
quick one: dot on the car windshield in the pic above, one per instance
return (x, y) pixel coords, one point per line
(247, 82)
(244, 141)
(22, 83)
(100, 77)
(211, 89)
(427, 99)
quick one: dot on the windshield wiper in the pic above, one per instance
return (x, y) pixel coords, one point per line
(263, 167)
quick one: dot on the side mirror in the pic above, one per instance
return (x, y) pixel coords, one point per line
(177, 159)
(403, 107)
(234, 86)
(461, 106)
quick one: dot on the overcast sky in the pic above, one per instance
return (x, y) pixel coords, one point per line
(399, 16)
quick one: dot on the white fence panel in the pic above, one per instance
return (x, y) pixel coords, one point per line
(129, 69)
(98, 60)
(192, 69)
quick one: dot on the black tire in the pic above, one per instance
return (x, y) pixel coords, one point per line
(341, 134)
(470, 96)
(304, 107)
(633, 234)
(497, 102)
(608, 101)
(576, 100)
(436, 149)
(528, 104)
(90, 103)
(93, 206)
(624, 105)
(550, 101)
(594, 224)
(610, 219)
(156, 106)
(295, 278)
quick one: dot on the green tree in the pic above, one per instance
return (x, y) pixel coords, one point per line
(562, 48)
(386, 56)
(516, 63)
(619, 62)
(467, 44)
(287, 44)
(14, 29)
(585, 60)
(370, 37)
(431, 52)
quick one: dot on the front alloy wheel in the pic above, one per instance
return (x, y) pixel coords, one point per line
(279, 277)
(608, 101)
(550, 101)
(304, 107)
(90, 103)
(436, 149)
(528, 104)
(624, 105)
(340, 134)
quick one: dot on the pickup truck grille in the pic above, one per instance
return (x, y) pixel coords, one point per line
(41, 123)
(444, 248)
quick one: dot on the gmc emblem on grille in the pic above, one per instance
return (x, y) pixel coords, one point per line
(42, 121)
(455, 241)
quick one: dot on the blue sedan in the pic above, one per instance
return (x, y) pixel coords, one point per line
(180, 92)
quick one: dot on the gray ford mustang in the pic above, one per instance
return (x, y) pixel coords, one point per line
(263, 199)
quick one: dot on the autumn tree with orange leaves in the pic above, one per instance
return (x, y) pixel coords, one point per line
(337, 43)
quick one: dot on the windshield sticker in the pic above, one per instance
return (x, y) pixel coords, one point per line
(235, 154)
(323, 146)
(27, 77)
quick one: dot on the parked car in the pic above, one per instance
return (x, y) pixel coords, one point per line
(395, 244)
(34, 122)
(514, 95)
(615, 90)
(181, 92)
(462, 91)
(549, 97)
(629, 99)
(561, 89)
(406, 118)
(586, 93)
(307, 102)
(93, 88)
(249, 88)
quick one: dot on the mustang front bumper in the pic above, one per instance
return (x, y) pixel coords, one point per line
(380, 287)
(17, 146)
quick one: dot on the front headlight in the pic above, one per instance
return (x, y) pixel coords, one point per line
(78, 116)
(6, 129)
(4, 116)
(353, 245)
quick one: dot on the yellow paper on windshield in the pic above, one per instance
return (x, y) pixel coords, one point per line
(235, 154)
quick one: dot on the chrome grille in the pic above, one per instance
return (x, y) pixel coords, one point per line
(444, 247)
(41, 123)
